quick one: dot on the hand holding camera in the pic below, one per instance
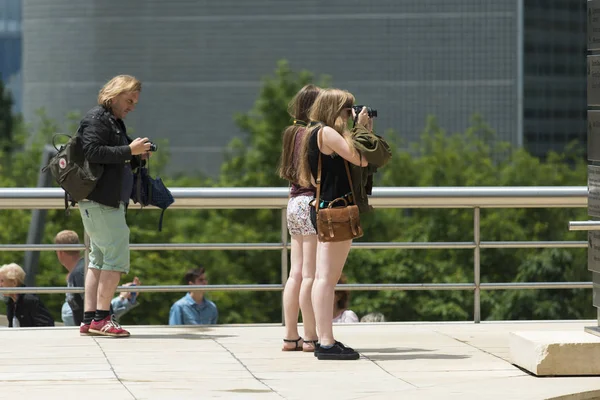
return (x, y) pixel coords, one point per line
(142, 146)
(371, 112)
(363, 115)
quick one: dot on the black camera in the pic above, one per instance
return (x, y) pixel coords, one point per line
(153, 147)
(370, 111)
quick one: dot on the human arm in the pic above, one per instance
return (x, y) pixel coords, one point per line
(95, 136)
(332, 141)
(125, 301)
(138, 160)
(364, 120)
(75, 300)
(216, 316)
(122, 306)
(372, 147)
(175, 315)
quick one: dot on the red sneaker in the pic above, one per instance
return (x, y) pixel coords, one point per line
(108, 327)
(84, 330)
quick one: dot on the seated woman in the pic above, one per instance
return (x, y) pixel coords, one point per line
(22, 310)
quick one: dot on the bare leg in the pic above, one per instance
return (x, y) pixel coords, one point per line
(291, 292)
(109, 280)
(331, 258)
(309, 250)
(92, 279)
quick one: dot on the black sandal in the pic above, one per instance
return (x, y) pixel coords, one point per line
(297, 348)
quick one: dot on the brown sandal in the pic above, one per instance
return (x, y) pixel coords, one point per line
(312, 343)
(297, 348)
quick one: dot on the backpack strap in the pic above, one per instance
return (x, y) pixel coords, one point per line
(58, 135)
(69, 203)
(160, 220)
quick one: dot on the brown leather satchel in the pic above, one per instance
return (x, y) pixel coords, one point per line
(336, 224)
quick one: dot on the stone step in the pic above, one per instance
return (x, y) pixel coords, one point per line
(556, 353)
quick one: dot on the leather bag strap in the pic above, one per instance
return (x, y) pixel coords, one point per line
(350, 181)
(318, 181)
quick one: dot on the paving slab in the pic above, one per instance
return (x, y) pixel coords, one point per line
(398, 360)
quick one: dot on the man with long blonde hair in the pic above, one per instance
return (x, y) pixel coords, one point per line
(107, 146)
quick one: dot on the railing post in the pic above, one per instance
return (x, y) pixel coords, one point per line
(477, 265)
(284, 257)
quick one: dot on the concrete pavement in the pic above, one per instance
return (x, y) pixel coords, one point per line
(398, 360)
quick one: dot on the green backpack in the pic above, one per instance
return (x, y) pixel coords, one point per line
(71, 170)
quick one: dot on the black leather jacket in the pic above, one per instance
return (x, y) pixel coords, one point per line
(29, 310)
(106, 147)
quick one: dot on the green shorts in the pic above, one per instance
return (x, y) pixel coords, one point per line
(109, 236)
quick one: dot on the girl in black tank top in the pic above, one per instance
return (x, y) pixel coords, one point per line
(334, 180)
(328, 139)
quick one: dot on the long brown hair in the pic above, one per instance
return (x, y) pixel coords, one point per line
(298, 109)
(326, 111)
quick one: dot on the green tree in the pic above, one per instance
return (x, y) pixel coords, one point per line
(253, 159)
(474, 157)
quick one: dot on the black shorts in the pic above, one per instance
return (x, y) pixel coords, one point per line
(313, 218)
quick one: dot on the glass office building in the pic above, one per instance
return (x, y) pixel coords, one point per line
(10, 48)
(518, 63)
(555, 47)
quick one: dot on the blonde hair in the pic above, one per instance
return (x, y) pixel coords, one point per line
(328, 108)
(67, 237)
(116, 86)
(373, 317)
(13, 272)
(326, 111)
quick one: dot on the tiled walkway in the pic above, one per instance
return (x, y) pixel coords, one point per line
(398, 361)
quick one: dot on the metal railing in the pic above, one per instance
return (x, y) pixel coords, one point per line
(390, 197)
(584, 225)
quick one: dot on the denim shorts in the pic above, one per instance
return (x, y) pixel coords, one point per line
(109, 236)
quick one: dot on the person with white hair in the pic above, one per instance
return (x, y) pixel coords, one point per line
(25, 309)
(373, 317)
